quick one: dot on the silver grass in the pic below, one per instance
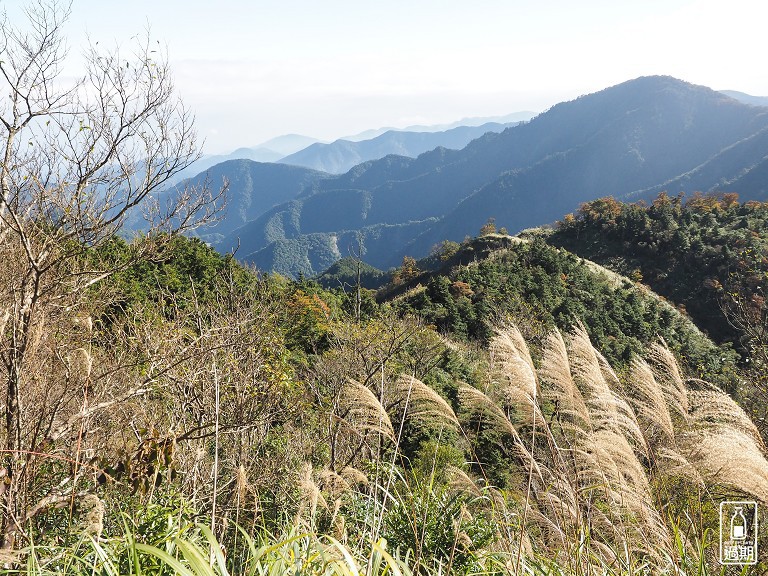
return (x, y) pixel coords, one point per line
(332, 483)
(421, 403)
(558, 387)
(476, 402)
(649, 402)
(310, 497)
(511, 359)
(92, 512)
(723, 443)
(552, 532)
(86, 322)
(354, 477)
(612, 471)
(521, 409)
(671, 463)
(362, 411)
(460, 481)
(242, 486)
(731, 457)
(609, 375)
(606, 408)
(562, 503)
(592, 481)
(710, 406)
(667, 373)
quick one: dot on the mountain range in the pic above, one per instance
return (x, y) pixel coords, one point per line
(512, 118)
(270, 151)
(628, 141)
(340, 156)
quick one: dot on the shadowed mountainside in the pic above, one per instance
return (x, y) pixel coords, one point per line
(628, 141)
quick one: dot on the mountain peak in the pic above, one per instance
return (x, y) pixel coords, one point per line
(645, 87)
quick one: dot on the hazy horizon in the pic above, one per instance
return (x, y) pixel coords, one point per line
(254, 71)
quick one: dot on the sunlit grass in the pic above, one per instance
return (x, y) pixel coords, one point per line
(195, 551)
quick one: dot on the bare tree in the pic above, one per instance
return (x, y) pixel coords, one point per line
(744, 304)
(77, 161)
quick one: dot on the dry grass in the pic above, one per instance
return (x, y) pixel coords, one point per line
(649, 402)
(606, 408)
(711, 407)
(730, 457)
(515, 384)
(512, 361)
(723, 443)
(310, 497)
(332, 483)
(590, 479)
(460, 481)
(591, 452)
(476, 402)
(421, 404)
(362, 411)
(559, 388)
(666, 371)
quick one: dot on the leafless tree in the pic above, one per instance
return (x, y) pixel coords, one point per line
(745, 307)
(77, 160)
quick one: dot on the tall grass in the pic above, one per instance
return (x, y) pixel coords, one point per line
(602, 468)
(602, 455)
(597, 459)
(195, 551)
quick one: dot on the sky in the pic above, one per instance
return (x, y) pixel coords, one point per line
(253, 69)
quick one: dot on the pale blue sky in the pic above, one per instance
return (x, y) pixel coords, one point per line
(254, 69)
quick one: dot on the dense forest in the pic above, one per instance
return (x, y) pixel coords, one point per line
(706, 254)
(504, 406)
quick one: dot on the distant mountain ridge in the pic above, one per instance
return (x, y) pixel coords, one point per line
(650, 128)
(269, 151)
(746, 98)
(288, 143)
(254, 188)
(342, 155)
(513, 118)
(625, 141)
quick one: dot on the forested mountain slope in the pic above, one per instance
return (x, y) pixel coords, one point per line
(626, 141)
(254, 188)
(692, 251)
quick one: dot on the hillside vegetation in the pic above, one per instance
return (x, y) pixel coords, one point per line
(219, 399)
(491, 277)
(690, 251)
(707, 254)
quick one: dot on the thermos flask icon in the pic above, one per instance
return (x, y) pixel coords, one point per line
(738, 525)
